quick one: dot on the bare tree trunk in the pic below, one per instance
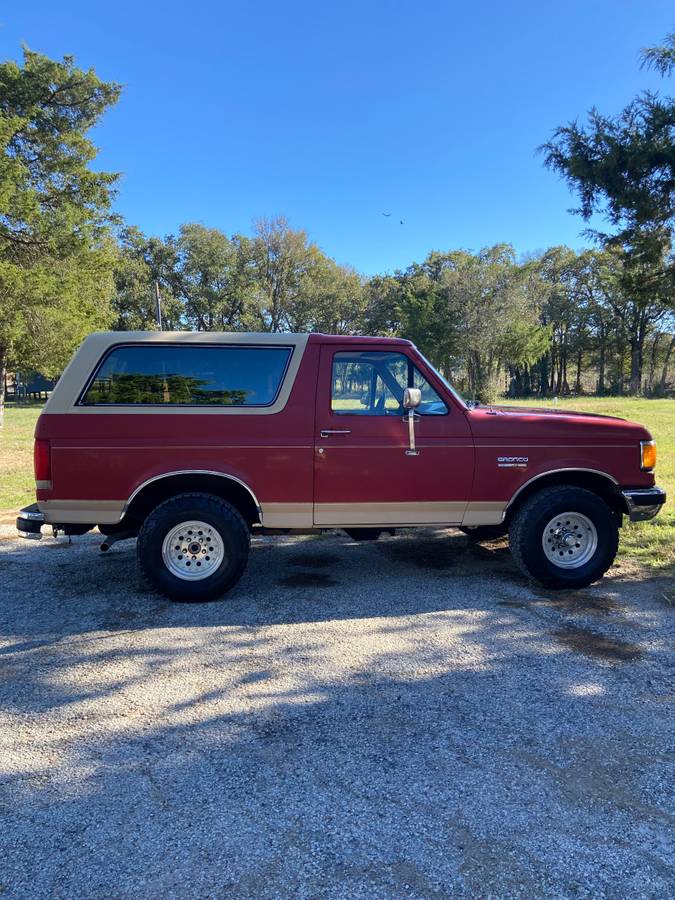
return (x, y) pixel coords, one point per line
(543, 374)
(551, 384)
(3, 375)
(635, 365)
(652, 363)
(601, 363)
(577, 380)
(559, 375)
(637, 345)
(565, 384)
(663, 384)
(621, 367)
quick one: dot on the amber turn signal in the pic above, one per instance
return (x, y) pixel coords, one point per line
(647, 455)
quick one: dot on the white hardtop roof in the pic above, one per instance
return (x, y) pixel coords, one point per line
(93, 349)
(102, 339)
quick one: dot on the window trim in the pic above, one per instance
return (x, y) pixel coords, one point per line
(411, 364)
(80, 402)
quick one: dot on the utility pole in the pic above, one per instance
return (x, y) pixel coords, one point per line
(158, 299)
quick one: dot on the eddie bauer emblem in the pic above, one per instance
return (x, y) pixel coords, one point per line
(512, 462)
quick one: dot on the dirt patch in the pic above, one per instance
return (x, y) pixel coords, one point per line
(580, 602)
(425, 554)
(590, 643)
(490, 551)
(307, 579)
(313, 560)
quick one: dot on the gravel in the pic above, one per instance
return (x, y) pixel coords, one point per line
(401, 719)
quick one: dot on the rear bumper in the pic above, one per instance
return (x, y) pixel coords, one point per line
(29, 522)
(644, 503)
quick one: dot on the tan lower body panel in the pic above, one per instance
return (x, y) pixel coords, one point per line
(85, 512)
(287, 515)
(401, 514)
(306, 515)
(484, 513)
(389, 514)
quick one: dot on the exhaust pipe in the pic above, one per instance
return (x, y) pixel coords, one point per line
(114, 538)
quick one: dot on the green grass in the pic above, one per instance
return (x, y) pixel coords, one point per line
(17, 485)
(651, 544)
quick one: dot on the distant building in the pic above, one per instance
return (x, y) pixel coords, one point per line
(32, 386)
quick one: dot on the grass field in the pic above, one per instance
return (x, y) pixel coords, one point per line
(17, 486)
(650, 543)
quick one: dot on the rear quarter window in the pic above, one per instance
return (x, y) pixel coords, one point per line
(170, 375)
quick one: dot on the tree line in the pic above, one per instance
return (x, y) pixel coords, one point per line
(556, 322)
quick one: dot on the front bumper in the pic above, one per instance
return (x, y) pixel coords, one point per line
(29, 522)
(643, 503)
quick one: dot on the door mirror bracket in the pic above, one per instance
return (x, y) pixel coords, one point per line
(412, 397)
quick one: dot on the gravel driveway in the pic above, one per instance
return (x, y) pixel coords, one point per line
(401, 719)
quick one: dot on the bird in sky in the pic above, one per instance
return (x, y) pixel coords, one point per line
(386, 215)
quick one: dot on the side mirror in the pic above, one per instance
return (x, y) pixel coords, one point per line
(412, 397)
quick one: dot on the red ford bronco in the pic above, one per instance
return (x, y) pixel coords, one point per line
(193, 441)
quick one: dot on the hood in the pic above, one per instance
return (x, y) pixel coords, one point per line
(534, 422)
(548, 411)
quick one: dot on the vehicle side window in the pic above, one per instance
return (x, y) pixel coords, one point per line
(371, 383)
(161, 375)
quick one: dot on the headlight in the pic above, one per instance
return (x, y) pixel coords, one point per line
(647, 455)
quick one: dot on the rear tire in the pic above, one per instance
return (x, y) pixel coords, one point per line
(564, 537)
(193, 547)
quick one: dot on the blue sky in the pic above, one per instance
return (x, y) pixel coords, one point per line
(333, 113)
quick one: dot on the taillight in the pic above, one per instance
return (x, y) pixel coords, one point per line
(42, 462)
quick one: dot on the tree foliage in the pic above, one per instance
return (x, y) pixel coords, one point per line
(145, 265)
(623, 167)
(467, 311)
(488, 320)
(661, 57)
(56, 258)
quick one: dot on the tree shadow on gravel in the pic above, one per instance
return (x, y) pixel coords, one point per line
(396, 733)
(55, 590)
(432, 753)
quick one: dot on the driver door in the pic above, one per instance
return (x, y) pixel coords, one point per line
(363, 474)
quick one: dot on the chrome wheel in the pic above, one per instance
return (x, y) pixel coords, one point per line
(193, 550)
(569, 540)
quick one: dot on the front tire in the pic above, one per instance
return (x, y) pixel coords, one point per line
(564, 537)
(193, 547)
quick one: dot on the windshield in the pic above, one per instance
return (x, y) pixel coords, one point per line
(455, 393)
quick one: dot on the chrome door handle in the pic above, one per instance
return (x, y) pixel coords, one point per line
(326, 432)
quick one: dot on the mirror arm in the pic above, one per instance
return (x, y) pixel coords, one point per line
(412, 397)
(411, 451)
